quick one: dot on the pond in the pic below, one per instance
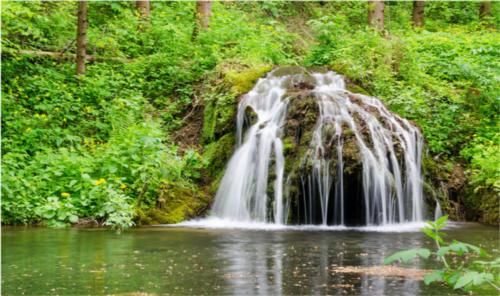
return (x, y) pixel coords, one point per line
(186, 260)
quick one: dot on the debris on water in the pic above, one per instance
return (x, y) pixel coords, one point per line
(384, 271)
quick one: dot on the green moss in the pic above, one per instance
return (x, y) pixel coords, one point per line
(220, 97)
(217, 153)
(209, 121)
(244, 80)
(288, 145)
(489, 207)
(220, 109)
(356, 89)
(175, 203)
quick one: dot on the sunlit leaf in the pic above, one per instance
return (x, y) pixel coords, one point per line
(435, 276)
(406, 256)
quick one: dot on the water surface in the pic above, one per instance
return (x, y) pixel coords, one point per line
(180, 260)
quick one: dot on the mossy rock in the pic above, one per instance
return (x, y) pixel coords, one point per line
(445, 182)
(489, 206)
(175, 204)
(289, 70)
(220, 97)
(218, 115)
(218, 153)
(482, 205)
(243, 80)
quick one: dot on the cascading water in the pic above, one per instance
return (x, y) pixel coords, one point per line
(242, 194)
(256, 185)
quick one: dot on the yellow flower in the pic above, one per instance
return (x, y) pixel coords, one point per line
(65, 194)
(100, 181)
(123, 186)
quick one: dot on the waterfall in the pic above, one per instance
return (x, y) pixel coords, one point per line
(254, 189)
(437, 211)
(242, 195)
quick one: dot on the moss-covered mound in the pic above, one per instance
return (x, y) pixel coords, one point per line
(174, 204)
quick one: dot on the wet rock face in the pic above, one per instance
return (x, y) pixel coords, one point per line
(301, 120)
(302, 117)
(311, 152)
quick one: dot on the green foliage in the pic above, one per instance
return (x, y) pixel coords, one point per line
(483, 154)
(49, 25)
(408, 255)
(62, 134)
(97, 146)
(459, 273)
(242, 81)
(444, 77)
(218, 114)
(445, 81)
(97, 182)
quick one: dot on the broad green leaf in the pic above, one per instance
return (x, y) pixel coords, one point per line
(49, 214)
(452, 278)
(465, 280)
(429, 232)
(459, 248)
(473, 278)
(492, 264)
(73, 218)
(483, 277)
(435, 276)
(432, 234)
(442, 251)
(407, 255)
(441, 222)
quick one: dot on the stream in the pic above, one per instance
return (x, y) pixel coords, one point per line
(191, 260)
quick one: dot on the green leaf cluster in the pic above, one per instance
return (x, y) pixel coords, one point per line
(459, 273)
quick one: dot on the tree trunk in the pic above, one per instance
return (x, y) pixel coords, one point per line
(81, 38)
(376, 14)
(202, 16)
(485, 9)
(418, 13)
(144, 8)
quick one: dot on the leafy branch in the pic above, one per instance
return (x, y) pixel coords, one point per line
(459, 274)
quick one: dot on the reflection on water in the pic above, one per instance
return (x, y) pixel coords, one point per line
(200, 261)
(291, 263)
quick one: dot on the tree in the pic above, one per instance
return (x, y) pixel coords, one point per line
(202, 16)
(485, 9)
(418, 13)
(144, 8)
(376, 14)
(81, 37)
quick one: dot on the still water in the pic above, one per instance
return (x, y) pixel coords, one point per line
(181, 260)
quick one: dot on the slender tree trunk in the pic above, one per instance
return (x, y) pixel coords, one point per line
(144, 8)
(202, 16)
(81, 37)
(485, 9)
(418, 13)
(376, 14)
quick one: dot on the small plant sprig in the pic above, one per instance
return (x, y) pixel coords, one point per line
(459, 274)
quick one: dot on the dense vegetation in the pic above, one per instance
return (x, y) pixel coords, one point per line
(143, 136)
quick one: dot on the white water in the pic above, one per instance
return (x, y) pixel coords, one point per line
(437, 211)
(392, 184)
(242, 195)
(220, 223)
